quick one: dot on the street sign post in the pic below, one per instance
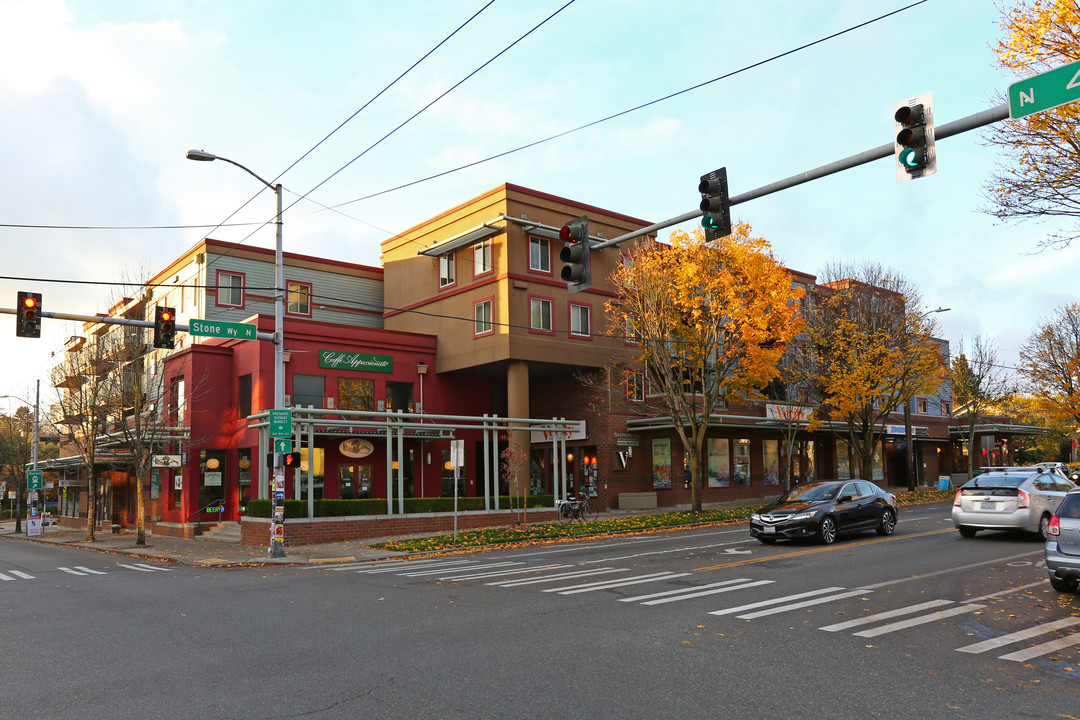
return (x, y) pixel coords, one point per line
(222, 329)
(280, 424)
(33, 480)
(1044, 91)
(282, 445)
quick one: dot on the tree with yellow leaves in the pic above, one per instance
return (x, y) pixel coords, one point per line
(1039, 177)
(709, 320)
(873, 352)
(1050, 362)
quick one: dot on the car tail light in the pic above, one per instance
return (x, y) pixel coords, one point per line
(1054, 528)
(1021, 499)
(956, 500)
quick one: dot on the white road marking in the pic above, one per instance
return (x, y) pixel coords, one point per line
(1019, 635)
(775, 601)
(702, 591)
(607, 584)
(912, 622)
(884, 615)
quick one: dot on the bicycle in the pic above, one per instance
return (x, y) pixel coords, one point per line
(577, 507)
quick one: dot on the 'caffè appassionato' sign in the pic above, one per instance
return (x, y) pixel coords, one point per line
(355, 361)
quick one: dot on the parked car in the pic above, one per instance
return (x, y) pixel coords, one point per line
(824, 510)
(1012, 498)
(1062, 549)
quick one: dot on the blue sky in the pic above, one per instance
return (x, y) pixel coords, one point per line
(100, 100)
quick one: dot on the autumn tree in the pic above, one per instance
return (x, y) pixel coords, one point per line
(1037, 179)
(873, 351)
(710, 320)
(1050, 363)
(978, 384)
(797, 391)
(16, 452)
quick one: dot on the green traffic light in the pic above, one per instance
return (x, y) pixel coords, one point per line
(910, 158)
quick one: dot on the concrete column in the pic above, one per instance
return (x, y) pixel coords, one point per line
(517, 403)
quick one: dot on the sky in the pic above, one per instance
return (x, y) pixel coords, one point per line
(100, 99)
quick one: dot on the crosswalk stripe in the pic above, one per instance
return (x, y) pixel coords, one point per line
(5, 577)
(88, 570)
(775, 601)
(462, 569)
(885, 615)
(143, 567)
(997, 642)
(608, 584)
(72, 572)
(503, 573)
(922, 620)
(1047, 647)
(415, 565)
(20, 574)
(804, 603)
(703, 593)
(557, 577)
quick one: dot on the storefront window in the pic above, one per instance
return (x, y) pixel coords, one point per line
(879, 470)
(308, 390)
(399, 397)
(742, 462)
(301, 475)
(244, 477)
(770, 450)
(448, 477)
(356, 394)
(355, 481)
(843, 460)
(212, 469)
(719, 463)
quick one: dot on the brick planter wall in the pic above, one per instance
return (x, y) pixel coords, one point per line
(256, 531)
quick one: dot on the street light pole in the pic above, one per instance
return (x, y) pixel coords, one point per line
(276, 547)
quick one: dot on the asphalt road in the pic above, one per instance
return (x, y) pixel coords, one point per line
(702, 623)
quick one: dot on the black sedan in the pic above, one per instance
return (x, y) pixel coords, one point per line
(823, 510)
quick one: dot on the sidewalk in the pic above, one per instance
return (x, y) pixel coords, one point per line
(200, 553)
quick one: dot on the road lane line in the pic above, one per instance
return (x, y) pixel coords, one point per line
(866, 620)
(775, 601)
(912, 622)
(994, 643)
(946, 571)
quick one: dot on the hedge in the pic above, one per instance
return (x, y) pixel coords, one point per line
(296, 509)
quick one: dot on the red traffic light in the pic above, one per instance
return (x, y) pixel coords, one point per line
(29, 301)
(166, 315)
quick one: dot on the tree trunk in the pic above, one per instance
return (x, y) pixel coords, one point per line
(91, 507)
(695, 479)
(140, 510)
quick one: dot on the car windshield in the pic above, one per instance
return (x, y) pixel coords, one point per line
(811, 492)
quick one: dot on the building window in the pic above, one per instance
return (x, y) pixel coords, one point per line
(399, 397)
(635, 386)
(540, 314)
(482, 318)
(539, 254)
(243, 396)
(179, 410)
(482, 258)
(633, 337)
(447, 276)
(580, 316)
(299, 298)
(308, 390)
(742, 462)
(356, 394)
(230, 289)
(946, 408)
(922, 406)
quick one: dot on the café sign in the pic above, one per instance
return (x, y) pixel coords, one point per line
(355, 361)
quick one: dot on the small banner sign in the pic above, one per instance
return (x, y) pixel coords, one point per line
(355, 361)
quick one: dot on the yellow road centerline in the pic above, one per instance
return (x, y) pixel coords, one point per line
(825, 548)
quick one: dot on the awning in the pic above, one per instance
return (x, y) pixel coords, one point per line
(475, 235)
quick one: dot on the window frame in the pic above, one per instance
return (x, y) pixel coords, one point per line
(490, 330)
(545, 252)
(486, 265)
(217, 292)
(550, 330)
(571, 307)
(288, 303)
(448, 261)
(922, 406)
(638, 383)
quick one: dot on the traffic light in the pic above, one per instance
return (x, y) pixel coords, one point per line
(164, 327)
(575, 273)
(291, 459)
(715, 204)
(913, 123)
(28, 321)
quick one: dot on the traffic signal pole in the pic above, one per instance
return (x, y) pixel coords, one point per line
(118, 321)
(964, 124)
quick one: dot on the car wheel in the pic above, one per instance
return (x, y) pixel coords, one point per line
(1044, 523)
(827, 531)
(967, 531)
(1063, 585)
(887, 524)
(766, 540)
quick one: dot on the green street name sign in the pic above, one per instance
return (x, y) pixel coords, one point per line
(1042, 92)
(222, 329)
(33, 479)
(282, 445)
(355, 361)
(280, 423)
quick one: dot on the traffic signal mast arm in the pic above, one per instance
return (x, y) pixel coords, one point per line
(115, 321)
(964, 124)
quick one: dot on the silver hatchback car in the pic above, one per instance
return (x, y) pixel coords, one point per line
(1062, 549)
(1014, 498)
